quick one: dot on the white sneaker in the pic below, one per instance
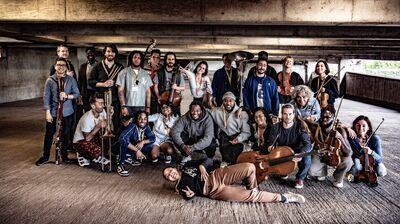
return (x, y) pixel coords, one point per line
(321, 178)
(82, 160)
(338, 184)
(101, 160)
(167, 159)
(294, 198)
(223, 164)
(185, 159)
(285, 177)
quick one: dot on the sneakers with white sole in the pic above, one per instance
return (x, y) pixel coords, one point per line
(101, 160)
(338, 184)
(185, 159)
(294, 198)
(122, 171)
(82, 161)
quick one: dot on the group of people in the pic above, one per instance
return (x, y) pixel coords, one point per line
(148, 124)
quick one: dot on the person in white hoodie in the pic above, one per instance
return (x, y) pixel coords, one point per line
(232, 131)
(163, 122)
(194, 131)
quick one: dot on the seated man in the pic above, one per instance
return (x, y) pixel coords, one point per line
(87, 138)
(139, 138)
(194, 131)
(163, 122)
(233, 130)
(292, 133)
(194, 179)
(321, 133)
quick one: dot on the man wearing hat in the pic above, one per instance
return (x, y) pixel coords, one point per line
(232, 130)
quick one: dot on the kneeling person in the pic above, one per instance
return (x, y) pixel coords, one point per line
(139, 138)
(87, 138)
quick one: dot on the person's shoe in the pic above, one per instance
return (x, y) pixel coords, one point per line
(102, 160)
(285, 177)
(223, 164)
(82, 161)
(132, 162)
(299, 184)
(338, 184)
(294, 198)
(122, 171)
(154, 160)
(350, 178)
(321, 178)
(185, 159)
(41, 161)
(167, 159)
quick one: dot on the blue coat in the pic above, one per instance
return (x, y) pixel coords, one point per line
(270, 98)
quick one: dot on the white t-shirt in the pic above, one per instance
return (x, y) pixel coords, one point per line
(260, 95)
(86, 124)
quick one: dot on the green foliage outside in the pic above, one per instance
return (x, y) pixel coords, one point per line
(387, 69)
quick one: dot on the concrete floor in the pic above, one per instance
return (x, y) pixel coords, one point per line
(71, 194)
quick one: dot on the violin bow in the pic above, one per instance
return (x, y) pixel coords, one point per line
(275, 140)
(326, 80)
(376, 129)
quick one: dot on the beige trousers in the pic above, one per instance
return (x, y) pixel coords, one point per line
(219, 185)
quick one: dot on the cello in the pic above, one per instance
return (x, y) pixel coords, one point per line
(172, 97)
(368, 174)
(278, 161)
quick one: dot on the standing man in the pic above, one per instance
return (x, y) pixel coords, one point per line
(225, 79)
(51, 98)
(83, 78)
(133, 84)
(167, 79)
(194, 131)
(270, 71)
(294, 134)
(260, 90)
(152, 67)
(63, 52)
(103, 77)
(287, 80)
(232, 131)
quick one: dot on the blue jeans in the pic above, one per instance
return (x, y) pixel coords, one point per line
(304, 166)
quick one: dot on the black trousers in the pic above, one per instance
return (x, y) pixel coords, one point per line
(229, 151)
(210, 150)
(65, 135)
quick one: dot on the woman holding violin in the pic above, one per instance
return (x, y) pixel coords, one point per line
(363, 130)
(324, 86)
(287, 79)
(199, 82)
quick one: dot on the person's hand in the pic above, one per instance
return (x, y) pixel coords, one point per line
(70, 73)
(296, 159)
(49, 118)
(323, 89)
(140, 145)
(203, 172)
(279, 89)
(174, 86)
(109, 83)
(238, 113)
(63, 96)
(352, 133)
(367, 150)
(189, 193)
(102, 123)
(270, 148)
(79, 100)
(187, 149)
(140, 156)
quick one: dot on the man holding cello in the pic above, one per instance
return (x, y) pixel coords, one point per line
(292, 133)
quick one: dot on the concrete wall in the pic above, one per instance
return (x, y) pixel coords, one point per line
(24, 72)
(261, 11)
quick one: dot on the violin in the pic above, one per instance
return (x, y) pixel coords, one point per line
(368, 174)
(172, 97)
(285, 87)
(331, 154)
(323, 99)
(278, 161)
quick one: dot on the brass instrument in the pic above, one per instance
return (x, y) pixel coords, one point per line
(241, 58)
(107, 133)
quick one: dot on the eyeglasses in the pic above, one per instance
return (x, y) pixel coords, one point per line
(61, 65)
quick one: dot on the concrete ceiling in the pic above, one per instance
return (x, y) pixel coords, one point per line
(205, 29)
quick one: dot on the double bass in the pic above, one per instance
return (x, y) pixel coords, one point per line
(368, 174)
(278, 161)
(172, 97)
